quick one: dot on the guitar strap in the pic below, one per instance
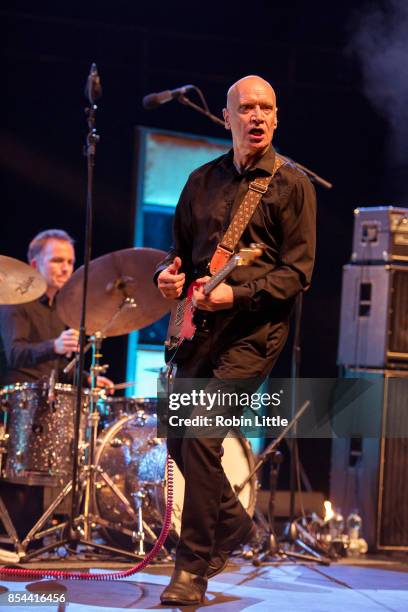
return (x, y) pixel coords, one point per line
(225, 249)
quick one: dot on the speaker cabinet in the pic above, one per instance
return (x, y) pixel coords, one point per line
(374, 317)
(380, 234)
(370, 473)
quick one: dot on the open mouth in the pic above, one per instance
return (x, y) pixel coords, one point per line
(256, 132)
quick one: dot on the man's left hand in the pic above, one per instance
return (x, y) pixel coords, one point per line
(220, 298)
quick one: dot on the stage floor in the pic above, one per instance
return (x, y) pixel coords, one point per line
(370, 584)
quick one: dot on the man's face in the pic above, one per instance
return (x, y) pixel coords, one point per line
(251, 115)
(55, 262)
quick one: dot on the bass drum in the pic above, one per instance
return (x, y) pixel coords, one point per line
(135, 461)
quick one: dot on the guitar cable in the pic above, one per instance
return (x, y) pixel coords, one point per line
(107, 576)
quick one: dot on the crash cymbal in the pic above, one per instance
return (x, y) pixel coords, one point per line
(19, 282)
(113, 278)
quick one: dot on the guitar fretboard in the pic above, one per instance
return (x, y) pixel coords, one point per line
(223, 273)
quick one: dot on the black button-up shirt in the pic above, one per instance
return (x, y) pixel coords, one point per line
(284, 222)
(27, 333)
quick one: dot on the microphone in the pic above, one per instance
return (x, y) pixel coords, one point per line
(93, 87)
(154, 100)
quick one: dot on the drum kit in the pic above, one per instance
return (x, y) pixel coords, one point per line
(121, 461)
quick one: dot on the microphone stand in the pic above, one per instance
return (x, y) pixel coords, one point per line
(205, 111)
(184, 100)
(78, 528)
(93, 92)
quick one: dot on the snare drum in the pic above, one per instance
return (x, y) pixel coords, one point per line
(135, 460)
(40, 433)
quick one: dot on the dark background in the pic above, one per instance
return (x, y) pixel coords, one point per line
(326, 122)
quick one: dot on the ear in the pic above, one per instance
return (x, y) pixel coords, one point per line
(33, 263)
(275, 124)
(225, 114)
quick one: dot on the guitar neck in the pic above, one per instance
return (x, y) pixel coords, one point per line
(221, 275)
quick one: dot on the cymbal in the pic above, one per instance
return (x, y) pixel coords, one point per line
(19, 282)
(113, 278)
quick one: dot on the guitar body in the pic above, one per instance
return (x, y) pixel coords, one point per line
(182, 327)
(185, 318)
(188, 328)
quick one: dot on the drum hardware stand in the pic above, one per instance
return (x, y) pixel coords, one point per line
(10, 531)
(273, 549)
(5, 518)
(85, 522)
(293, 532)
(138, 499)
(275, 459)
(128, 302)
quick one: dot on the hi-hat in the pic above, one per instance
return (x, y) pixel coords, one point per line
(113, 278)
(19, 282)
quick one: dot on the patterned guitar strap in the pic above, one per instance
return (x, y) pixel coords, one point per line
(225, 249)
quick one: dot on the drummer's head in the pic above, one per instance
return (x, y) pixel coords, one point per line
(51, 252)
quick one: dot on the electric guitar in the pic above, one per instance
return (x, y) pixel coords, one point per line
(185, 318)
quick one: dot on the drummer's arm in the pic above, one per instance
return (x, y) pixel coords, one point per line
(15, 331)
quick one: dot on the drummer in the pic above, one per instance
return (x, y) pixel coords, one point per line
(36, 343)
(35, 340)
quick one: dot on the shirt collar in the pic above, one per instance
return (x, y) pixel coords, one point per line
(44, 299)
(265, 164)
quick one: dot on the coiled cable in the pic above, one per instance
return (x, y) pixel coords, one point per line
(32, 573)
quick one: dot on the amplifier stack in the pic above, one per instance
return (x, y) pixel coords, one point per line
(369, 474)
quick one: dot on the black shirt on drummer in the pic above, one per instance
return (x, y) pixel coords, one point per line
(28, 332)
(35, 340)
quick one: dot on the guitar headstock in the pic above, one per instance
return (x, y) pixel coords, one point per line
(247, 255)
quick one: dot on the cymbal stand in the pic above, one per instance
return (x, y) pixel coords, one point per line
(128, 302)
(272, 548)
(96, 370)
(89, 519)
(275, 460)
(10, 531)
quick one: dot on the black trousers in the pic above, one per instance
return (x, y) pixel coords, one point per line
(211, 511)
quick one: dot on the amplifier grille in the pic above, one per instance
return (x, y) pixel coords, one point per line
(399, 313)
(393, 515)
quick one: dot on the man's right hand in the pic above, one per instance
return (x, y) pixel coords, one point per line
(170, 282)
(67, 342)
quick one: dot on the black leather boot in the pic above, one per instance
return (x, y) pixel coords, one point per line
(184, 589)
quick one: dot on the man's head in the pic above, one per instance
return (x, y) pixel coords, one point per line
(52, 253)
(251, 115)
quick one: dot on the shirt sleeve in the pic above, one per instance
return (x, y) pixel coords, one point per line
(293, 271)
(182, 236)
(15, 329)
